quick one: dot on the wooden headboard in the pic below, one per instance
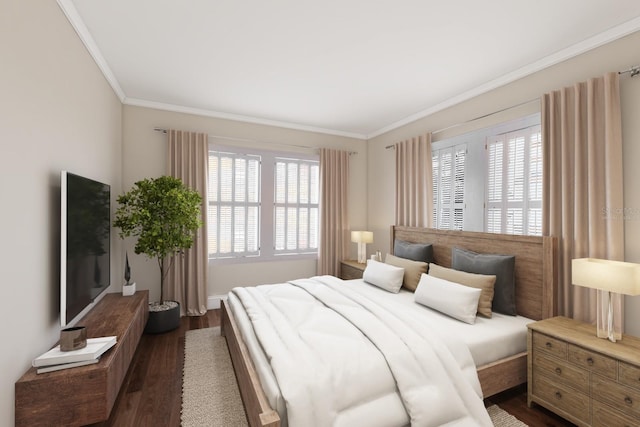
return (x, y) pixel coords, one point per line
(534, 267)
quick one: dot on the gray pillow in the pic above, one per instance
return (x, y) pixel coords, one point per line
(414, 251)
(502, 266)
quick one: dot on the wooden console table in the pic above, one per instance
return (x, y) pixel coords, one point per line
(86, 394)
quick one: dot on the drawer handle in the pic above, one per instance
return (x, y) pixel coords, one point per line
(558, 395)
(558, 371)
(628, 400)
(548, 344)
(590, 361)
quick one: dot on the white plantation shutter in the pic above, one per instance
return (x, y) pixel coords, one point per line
(458, 187)
(296, 206)
(448, 166)
(435, 168)
(234, 204)
(514, 182)
(534, 212)
(495, 150)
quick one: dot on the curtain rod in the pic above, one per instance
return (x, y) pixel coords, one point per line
(476, 118)
(635, 70)
(230, 138)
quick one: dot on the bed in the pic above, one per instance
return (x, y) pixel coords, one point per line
(534, 267)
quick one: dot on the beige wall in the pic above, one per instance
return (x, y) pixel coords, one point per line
(618, 55)
(57, 112)
(144, 155)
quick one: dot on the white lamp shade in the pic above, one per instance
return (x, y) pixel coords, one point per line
(362, 236)
(606, 275)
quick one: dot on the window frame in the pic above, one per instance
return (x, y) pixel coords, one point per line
(477, 166)
(266, 227)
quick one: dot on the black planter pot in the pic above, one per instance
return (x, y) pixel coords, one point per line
(164, 320)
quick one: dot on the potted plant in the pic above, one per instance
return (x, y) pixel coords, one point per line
(164, 215)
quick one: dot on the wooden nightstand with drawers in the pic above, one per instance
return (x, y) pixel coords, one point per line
(587, 380)
(351, 269)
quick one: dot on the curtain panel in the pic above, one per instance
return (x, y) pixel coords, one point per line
(333, 245)
(414, 182)
(187, 159)
(582, 149)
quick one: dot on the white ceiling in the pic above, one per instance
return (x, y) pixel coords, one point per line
(346, 67)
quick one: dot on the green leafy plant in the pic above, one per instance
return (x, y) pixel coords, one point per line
(164, 215)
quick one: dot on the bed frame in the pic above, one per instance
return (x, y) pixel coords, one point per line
(535, 298)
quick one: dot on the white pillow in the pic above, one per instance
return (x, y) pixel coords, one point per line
(385, 276)
(452, 299)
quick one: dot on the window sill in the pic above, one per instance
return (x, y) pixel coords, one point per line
(263, 259)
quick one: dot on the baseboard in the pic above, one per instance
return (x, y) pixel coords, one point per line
(214, 301)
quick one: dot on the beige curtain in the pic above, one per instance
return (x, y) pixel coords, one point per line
(333, 244)
(187, 159)
(414, 182)
(582, 146)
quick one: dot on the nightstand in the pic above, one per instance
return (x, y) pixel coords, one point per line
(351, 269)
(587, 380)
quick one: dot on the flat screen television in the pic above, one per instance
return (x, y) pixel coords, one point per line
(85, 236)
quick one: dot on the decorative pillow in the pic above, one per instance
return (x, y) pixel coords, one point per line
(412, 270)
(413, 251)
(502, 266)
(478, 281)
(453, 299)
(385, 276)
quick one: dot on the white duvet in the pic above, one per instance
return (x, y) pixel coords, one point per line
(341, 359)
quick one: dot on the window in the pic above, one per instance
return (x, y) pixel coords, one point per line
(261, 204)
(490, 179)
(514, 184)
(448, 187)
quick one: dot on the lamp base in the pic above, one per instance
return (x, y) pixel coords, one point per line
(608, 319)
(362, 253)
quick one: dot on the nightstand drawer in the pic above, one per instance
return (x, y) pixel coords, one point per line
(550, 345)
(604, 416)
(629, 375)
(562, 371)
(595, 362)
(564, 398)
(619, 397)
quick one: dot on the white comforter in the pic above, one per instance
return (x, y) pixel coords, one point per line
(341, 359)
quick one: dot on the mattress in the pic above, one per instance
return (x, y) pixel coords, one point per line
(488, 339)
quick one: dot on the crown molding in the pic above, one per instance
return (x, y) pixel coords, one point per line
(70, 11)
(237, 117)
(562, 55)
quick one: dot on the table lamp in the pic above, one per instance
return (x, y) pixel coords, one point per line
(362, 238)
(609, 277)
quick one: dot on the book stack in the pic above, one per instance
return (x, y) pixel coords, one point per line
(55, 359)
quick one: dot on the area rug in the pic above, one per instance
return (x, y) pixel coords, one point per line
(210, 395)
(502, 418)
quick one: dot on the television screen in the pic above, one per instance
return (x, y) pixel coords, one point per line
(85, 243)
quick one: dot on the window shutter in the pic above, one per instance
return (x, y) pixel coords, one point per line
(234, 204)
(514, 182)
(448, 166)
(435, 166)
(296, 213)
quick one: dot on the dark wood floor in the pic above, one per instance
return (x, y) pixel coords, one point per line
(151, 392)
